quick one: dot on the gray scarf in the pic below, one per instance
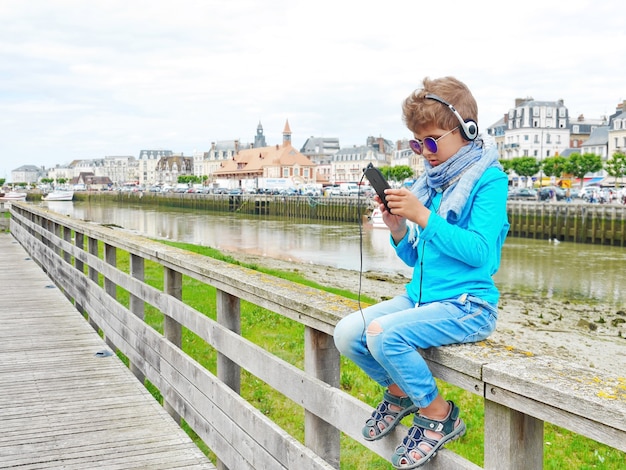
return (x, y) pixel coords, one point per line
(455, 178)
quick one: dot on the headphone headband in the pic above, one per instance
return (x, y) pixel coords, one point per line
(468, 128)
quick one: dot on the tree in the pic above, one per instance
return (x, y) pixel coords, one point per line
(554, 166)
(579, 165)
(506, 165)
(616, 165)
(397, 173)
(2, 181)
(525, 166)
(401, 172)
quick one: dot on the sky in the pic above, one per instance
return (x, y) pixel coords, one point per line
(90, 79)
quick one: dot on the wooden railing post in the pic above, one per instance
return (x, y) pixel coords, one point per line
(92, 246)
(136, 304)
(229, 316)
(172, 330)
(322, 361)
(110, 257)
(513, 440)
(79, 241)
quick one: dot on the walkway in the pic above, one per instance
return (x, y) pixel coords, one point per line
(63, 403)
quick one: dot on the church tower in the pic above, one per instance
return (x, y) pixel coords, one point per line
(259, 138)
(286, 134)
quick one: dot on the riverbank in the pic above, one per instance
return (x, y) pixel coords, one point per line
(592, 335)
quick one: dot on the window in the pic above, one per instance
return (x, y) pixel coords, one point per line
(576, 129)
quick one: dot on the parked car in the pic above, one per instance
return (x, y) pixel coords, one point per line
(523, 193)
(545, 193)
(333, 190)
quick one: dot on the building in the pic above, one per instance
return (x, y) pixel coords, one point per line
(60, 173)
(349, 162)
(146, 165)
(259, 138)
(404, 155)
(89, 181)
(617, 131)
(498, 131)
(321, 151)
(597, 143)
(247, 166)
(120, 170)
(168, 169)
(537, 129)
(28, 174)
(207, 163)
(581, 129)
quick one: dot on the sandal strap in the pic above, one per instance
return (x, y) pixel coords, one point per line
(445, 426)
(384, 416)
(402, 402)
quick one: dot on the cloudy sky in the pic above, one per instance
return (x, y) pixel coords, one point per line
(88, 79)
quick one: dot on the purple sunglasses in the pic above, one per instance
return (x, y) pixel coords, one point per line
(429, 143)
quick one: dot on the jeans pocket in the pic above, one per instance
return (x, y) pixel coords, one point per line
(479, 323)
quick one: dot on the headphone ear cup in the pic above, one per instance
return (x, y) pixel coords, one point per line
(469, 130)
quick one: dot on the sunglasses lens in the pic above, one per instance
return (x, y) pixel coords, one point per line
(415, 146)
(430, 144)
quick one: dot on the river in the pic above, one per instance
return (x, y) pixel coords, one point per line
(564, 270)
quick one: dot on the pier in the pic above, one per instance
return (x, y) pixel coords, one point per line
(66, 400)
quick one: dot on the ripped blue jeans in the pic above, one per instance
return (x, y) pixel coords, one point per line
(389, 354)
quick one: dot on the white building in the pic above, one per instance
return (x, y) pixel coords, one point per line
(537, 129)
(120, 170)
(147, 163)
(617, 131)
(28, 174)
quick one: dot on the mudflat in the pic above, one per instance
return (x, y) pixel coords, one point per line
(592, 334)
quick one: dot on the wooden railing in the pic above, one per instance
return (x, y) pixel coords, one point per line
(520, 391)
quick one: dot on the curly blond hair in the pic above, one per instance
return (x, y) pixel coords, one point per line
(419, 112)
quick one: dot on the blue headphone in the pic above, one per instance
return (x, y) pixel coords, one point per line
(467, 127)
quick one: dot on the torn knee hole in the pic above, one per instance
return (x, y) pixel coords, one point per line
(374, 328)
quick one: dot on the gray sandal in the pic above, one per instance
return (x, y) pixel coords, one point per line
(386, 418)
(403, 456)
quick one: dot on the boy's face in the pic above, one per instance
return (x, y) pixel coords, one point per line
(448, 143)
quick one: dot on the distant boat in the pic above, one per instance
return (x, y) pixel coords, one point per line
(377, 219)
(12, 196)
(59, 196)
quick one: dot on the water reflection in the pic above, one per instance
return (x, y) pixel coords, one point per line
(567, 270)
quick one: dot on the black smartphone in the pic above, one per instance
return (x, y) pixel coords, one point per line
(378, 182)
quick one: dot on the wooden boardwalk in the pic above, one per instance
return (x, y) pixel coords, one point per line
(63, 405)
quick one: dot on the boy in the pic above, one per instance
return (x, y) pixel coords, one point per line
(450, 227)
